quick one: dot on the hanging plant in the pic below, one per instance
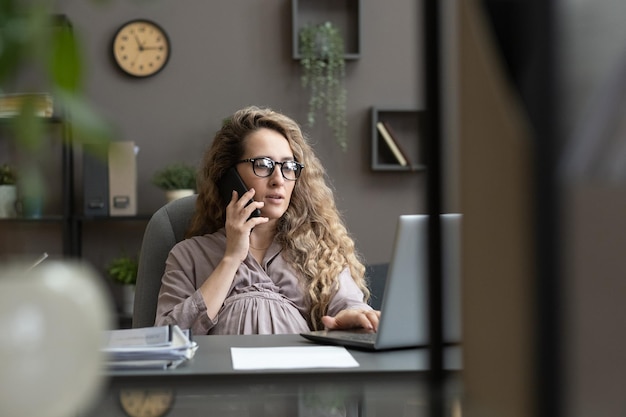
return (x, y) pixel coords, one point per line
(323, 72)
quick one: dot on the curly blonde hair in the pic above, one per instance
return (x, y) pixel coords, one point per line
(314, 238)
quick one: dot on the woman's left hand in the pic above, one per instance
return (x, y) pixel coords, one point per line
(349, 319)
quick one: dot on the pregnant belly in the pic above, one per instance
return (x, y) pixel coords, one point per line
(259, 311)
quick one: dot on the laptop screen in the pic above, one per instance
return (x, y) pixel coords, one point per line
(404, 309)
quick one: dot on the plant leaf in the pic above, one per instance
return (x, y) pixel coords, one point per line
(65, 59)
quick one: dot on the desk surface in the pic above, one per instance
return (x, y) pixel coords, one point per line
(213, 358)
(382, 380)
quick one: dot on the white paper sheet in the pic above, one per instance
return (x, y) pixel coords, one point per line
(292, 357)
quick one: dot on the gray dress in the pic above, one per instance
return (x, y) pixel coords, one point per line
(266, 298)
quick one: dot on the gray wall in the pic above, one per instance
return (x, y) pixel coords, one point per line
(229, 54)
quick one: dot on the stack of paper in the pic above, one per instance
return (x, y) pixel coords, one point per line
(158, 347)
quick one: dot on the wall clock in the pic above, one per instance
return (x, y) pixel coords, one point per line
(146, 402)
(141, 48)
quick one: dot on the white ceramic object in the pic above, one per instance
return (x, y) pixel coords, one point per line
(128, 299)
(52, 319)
(172, 195)
(8, 201)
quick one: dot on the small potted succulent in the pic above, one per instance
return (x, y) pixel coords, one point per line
(123, 271)
(177, 180)
(8, 191)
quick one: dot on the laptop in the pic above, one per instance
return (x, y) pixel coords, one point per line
(404, 309)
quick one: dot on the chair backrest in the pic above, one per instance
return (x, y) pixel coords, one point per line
(376, 275)
(166, 228)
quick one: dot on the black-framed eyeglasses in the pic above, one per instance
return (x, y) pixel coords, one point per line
(264, 167)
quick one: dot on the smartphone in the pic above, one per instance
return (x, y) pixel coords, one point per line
(232, 181)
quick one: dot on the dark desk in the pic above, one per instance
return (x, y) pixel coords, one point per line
(393, 383)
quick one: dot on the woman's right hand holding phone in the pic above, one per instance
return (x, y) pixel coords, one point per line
(239, 224)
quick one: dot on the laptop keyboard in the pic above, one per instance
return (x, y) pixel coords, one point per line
(359, 337)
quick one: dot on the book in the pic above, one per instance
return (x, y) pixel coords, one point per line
(122, 178)
(11, 104)
(384, 130)
(398, 144)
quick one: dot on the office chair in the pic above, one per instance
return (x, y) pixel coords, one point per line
(376, 275)
(166, 228)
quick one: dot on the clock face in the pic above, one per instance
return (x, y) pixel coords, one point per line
(141, 48)
(146, 402)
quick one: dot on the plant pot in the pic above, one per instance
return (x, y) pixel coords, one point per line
(172, 195)
(128, 299)
(323, 43)
(8, 201)
(30, 206)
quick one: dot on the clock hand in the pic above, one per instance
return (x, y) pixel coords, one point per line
(141, 48)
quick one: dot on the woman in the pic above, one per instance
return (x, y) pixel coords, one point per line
(289, 270)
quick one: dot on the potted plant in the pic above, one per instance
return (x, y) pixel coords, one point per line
(123, 271)
(8, 191)
(322, 60)
(177, 180)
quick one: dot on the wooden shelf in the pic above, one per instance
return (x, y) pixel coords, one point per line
(407, 127)
(54, 162)
(345, 14)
